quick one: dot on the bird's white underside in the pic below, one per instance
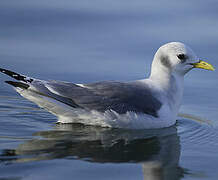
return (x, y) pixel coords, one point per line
(110, 118)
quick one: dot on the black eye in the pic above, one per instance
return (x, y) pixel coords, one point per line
(182, 57)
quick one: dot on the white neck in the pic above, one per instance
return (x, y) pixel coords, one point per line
(171, 85)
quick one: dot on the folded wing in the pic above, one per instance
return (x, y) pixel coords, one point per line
(102, 96)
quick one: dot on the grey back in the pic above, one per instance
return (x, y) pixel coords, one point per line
(102, 96)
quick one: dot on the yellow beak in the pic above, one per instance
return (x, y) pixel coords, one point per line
(203, 65)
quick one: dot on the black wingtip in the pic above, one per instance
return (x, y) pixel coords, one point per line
(18, 84)
(15, 75)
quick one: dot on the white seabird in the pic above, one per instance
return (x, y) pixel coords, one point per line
(148, 103)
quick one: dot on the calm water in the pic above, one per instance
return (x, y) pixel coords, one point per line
(86, 41)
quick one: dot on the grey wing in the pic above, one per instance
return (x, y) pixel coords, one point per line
(103, 96)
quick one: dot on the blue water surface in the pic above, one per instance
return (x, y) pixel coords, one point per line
(87, 41)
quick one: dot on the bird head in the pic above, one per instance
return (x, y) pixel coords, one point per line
(177, 58)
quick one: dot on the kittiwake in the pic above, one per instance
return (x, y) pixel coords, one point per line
(141, 104)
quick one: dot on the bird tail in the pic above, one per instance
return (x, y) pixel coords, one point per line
(18, 84)
(16, 76)
(23, 80)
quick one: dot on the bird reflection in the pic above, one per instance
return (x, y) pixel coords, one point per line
(157, 150)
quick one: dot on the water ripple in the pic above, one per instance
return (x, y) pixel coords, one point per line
(195, 134)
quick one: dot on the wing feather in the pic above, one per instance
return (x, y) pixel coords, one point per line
(103, 96)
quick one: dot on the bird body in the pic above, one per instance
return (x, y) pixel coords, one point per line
(148, 103)
(107, 104)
